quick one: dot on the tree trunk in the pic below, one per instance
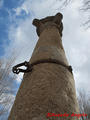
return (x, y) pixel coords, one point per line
(50, 87)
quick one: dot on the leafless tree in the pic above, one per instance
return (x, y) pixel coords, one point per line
(6, 84)
(64, 2)
(85, 8)
(84, 104)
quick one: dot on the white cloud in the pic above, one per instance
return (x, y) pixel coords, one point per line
(76, 41)
(19, 78)
(23, 38)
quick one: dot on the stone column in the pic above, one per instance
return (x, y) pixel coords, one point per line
(50, 87)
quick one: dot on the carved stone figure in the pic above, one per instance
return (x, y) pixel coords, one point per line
(50, 87)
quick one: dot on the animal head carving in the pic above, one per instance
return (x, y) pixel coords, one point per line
(49, 21)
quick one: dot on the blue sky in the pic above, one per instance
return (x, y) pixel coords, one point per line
(5, 22)
(6, 9)
(18, 35)
(3, 29)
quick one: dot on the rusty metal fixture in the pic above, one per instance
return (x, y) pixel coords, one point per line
(17, 70)
(29, 66)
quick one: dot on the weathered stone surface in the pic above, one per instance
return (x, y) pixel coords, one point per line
(49, 88)
(49, 21)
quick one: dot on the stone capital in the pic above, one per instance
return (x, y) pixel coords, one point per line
(47, 22)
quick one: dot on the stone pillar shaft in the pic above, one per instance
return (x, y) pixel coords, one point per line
(50, 87)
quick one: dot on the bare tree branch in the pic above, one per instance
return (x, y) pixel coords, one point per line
(84, 104)
(6, 84)
(86, 9)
